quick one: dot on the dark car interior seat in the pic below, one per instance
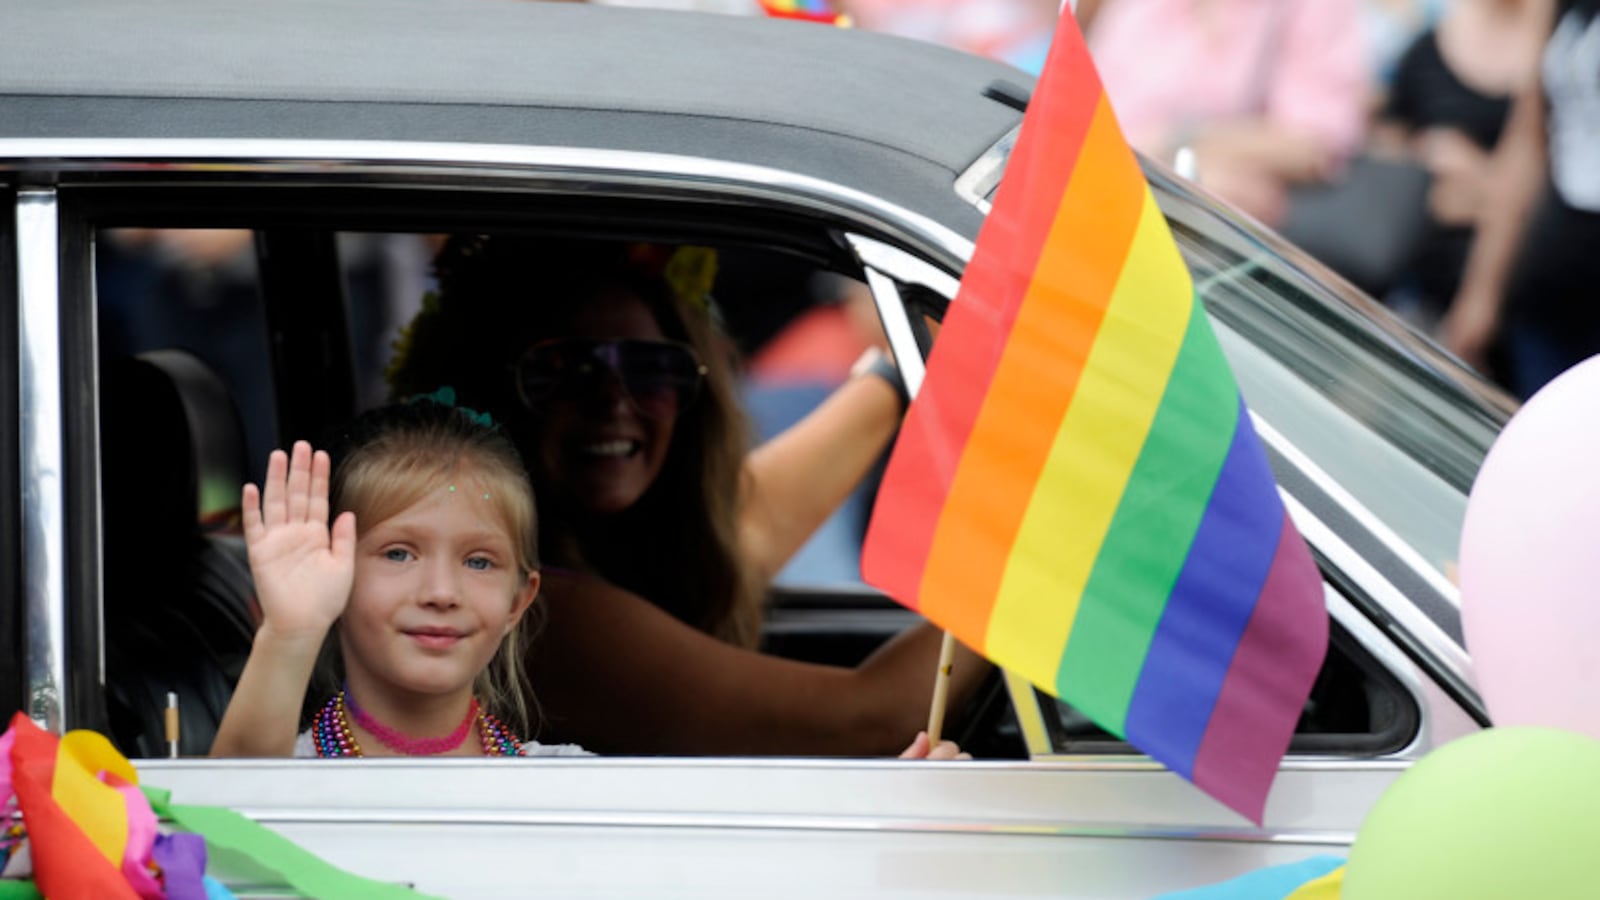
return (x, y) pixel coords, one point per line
(178, 597)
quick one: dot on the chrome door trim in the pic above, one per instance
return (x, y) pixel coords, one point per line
(980, 179)
(43, 488)
(352, 161)
(784, 822)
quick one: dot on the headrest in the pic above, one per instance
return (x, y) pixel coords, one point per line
(172, 447)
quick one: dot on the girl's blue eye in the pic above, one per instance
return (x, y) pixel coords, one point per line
(480, 563)
(397, 554)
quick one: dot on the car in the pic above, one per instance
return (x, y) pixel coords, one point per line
(212, 210)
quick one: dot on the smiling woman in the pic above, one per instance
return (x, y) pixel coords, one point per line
(661, 529)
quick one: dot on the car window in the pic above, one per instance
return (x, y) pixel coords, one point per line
(1386, 432)
(206, 337)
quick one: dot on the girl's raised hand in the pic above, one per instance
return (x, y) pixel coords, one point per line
(303, 570)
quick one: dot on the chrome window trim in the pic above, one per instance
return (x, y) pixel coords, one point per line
(903, 266)
(980, 179)
(43, 488)
(897, 328)
(348, 161)
(1434, 644)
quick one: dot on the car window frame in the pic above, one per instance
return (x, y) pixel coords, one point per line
(102, 205)
(13, 682)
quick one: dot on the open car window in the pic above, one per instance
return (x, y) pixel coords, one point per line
(277, 333)
(218, 345)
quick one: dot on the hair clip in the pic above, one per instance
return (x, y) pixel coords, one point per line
(691, 271)
(446, 396)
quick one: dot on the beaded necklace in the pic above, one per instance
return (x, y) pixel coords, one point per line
(333, 736)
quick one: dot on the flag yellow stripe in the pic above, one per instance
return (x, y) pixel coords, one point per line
(1096, 446)
(1069, 287)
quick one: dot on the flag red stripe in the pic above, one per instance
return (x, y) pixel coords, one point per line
(922, 469)
(1035, 382)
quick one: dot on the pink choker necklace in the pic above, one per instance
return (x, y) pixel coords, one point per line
(333, 736)
(399, 741)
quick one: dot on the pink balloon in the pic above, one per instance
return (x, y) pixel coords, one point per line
(1530, 561)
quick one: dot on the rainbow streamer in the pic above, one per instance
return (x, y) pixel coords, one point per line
(78, 827)
(1078, 492)
(807, 10)
(1317, 878)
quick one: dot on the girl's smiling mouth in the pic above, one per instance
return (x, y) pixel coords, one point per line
(434, 637)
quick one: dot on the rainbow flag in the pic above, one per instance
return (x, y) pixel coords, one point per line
(1078, 493)
(808, 10)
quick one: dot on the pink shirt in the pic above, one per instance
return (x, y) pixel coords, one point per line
(1166, 66)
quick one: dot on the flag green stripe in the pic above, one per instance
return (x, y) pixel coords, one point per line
(1150, 534)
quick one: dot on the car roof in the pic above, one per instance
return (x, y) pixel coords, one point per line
(879, 113)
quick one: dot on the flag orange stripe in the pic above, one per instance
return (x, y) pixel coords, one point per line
(963, 361)
(1035, 381)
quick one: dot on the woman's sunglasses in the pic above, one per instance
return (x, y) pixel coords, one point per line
(661, 378)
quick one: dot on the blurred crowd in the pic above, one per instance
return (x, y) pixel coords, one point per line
(1436, 153)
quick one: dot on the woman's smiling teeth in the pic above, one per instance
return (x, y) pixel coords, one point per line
(612, 449)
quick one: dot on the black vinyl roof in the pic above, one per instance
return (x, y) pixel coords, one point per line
(896, 117)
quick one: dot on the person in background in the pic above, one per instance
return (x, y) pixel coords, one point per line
(1391, 28)
(1264, 94)
(1446, 108)
(1531, 276)
(1013, 31)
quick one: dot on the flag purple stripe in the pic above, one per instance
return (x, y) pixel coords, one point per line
(1277, 661)
(1209, 607)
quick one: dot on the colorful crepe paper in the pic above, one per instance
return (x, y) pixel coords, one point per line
(1317, 878)
(92, 831)
(808, 10)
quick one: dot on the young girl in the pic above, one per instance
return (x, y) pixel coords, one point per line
(425, 599)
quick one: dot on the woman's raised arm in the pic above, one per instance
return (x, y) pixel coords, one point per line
(798, 478)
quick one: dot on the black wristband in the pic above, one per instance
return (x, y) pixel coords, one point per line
(884, 368)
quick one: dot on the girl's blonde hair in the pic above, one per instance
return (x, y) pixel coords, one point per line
(393, 456)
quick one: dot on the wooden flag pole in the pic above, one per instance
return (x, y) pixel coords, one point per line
(941, 689)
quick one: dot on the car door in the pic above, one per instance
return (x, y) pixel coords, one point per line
(1081, 812)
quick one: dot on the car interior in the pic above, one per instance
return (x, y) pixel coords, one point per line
(229, 323)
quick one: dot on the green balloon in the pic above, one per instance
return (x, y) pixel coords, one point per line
(1502, 813)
